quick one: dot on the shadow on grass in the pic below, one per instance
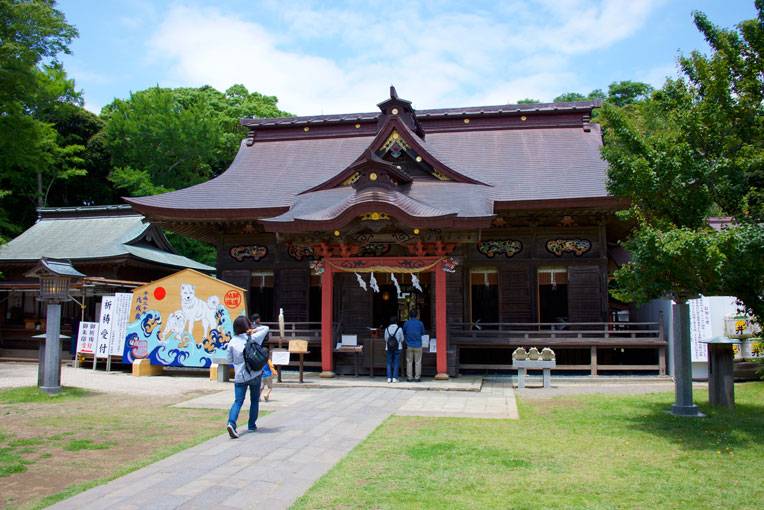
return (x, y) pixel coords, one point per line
(721, 428)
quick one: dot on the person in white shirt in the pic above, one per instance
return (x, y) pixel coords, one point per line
(242, 330)
(393, 331)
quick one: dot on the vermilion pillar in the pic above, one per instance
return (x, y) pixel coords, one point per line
(440, 322)
(327, 288)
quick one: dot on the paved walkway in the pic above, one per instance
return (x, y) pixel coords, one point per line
(312, 430)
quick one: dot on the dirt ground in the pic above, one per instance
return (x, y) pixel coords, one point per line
(128, 425)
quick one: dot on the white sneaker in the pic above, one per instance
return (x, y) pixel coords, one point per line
(389, 380)
(395, 380)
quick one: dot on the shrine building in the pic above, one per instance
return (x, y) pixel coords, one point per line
(493, 222)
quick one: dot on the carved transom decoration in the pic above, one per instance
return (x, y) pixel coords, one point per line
(499, 222)
(374, 216)
(395, 143)
(299, 251)
(256, 251)
(373, 250)
(562, 246)
(567, 221)
(351, 180)
(508, 247)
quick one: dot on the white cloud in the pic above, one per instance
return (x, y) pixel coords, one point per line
(342, 59)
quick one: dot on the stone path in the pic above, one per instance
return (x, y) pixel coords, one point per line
(293, 447)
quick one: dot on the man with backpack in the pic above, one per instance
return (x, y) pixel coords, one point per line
(393, 347)
(246, 376)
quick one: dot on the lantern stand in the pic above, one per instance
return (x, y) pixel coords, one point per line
(721, 382)
(55, 276)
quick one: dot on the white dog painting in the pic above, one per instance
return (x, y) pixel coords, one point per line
(197, 309)
(175, 324)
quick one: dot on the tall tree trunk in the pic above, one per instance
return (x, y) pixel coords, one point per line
(39, 189)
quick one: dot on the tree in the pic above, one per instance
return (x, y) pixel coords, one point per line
(163, 139)
(33, 33)
(529, 101)
(627, 92)
(693, 151)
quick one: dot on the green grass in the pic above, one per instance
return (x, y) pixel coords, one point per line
(33, 394)
(589, 451)
(76, 445)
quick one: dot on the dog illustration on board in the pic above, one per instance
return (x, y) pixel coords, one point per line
(197, 309)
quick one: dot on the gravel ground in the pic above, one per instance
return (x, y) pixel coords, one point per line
(185, 383)
(178, 384)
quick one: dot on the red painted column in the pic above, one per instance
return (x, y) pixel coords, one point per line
(440, 322)
(327, 287)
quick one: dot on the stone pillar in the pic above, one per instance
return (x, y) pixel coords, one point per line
(327, 340)
(683, 360)
(51, 383)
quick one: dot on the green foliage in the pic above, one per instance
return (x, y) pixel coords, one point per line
(33, 33)
(193, 249)
(693, 151)
(529, 101)
(569, 97)
(165, 139)
(627, 92)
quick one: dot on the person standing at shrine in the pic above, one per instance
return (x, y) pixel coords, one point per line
(413, 329)
(393, 335)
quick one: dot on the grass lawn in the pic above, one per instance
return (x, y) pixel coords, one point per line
(588, 451)
(52, 447)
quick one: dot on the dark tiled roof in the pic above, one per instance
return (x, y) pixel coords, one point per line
(557, 158)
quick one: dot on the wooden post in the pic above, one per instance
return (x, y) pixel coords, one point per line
(440, 322)
(594, 359)
(327, 288)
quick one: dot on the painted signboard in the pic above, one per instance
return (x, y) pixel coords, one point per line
(104, 327)
(185, 319)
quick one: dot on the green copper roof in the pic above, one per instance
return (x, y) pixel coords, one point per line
(85, 233)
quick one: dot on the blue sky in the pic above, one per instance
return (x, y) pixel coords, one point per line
(341, 56)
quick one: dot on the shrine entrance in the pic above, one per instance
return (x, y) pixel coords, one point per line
(368, 272)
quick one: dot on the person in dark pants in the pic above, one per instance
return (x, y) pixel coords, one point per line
(243, 379)
(393, 355)
(75, 324)
(413, 329)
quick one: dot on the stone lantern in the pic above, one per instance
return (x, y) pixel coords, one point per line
(55, 276)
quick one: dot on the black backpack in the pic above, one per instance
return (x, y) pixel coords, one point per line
(392, 341)
(255, 356)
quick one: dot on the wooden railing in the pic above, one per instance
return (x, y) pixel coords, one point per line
(591, 335)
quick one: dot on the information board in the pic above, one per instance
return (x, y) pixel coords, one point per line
(700, 327)
(86, 340)
(120, 317)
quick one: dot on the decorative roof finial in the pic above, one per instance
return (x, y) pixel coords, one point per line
(393, 93)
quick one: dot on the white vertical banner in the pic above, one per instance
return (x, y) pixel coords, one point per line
(86, 341)
(700, 327)
(120, 317)
(104, 327)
